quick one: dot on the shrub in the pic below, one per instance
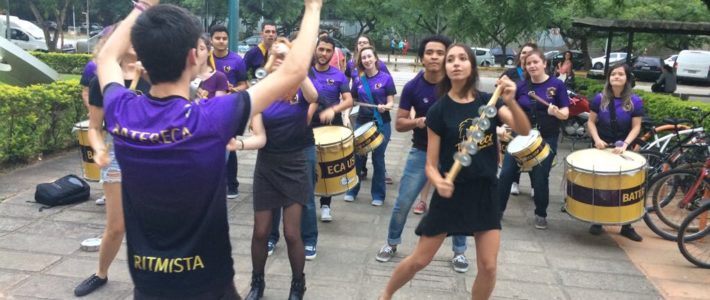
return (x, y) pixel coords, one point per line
(38, 119)
(66, 63)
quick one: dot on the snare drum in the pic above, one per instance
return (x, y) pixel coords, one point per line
(367, 138)
(336, 163)
(529, 150)
(605, 188)
(90, 169)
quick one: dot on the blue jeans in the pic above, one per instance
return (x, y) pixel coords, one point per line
(378, 163)
(540, 176)
(309, 224)
(412, 182)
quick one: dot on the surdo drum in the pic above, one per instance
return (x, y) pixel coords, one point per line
(335, 170)
(605, 188)
(90, 169)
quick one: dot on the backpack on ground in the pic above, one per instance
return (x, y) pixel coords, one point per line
(66, 190)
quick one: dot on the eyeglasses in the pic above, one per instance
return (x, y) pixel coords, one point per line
(363, 42)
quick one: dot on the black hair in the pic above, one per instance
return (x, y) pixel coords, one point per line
(154, 30)
(433, 38)
(472, 81)
(218, 28)
(328, 40)
(267, 22)
(520, 52)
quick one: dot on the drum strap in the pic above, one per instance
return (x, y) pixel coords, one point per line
(612, 117)
(533, 107)
(366, 86)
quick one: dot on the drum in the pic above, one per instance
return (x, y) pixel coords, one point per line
(336, 163)
(605, 188)
(367, 138)
(529, 150)
(90, 169)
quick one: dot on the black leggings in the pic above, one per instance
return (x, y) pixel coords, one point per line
(292, 235)
(325, 201)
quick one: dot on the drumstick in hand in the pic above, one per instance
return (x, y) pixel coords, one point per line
(537, 98)
(456, 168)
(364, 104)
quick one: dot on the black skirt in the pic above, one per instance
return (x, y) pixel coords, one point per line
(281, 179)
(472, 208)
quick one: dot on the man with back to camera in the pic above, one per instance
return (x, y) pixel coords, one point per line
(172, 150)
(232, 65)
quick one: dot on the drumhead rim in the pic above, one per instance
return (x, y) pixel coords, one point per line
(365, 127)
(532, 135)
(349, 136)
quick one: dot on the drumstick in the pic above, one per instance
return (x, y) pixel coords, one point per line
(456, 168)
(537, 98)
(136, 78)
(370, 105)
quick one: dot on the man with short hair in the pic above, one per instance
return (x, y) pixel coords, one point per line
(255, 58)
(419, 93)
(171, 150)
(231, 65)
(334, 98)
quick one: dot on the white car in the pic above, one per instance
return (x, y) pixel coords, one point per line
(24, 34)
(484, 57)
(598, 62)
(670, 61)
(693, 65)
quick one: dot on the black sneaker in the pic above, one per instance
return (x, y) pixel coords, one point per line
(630, 233)
(232, 193)
(596, 229)
(89, 285)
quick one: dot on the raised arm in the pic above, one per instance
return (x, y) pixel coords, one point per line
(295, 66)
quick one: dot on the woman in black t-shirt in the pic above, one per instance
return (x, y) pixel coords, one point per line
(468, 206)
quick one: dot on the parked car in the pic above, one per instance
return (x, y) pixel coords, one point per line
(670, 61)
(693, 65)
(246, 44)
(647, 68)
(598, 62)
(484, 57)
(24, 34)
(508, 59)
(577, 60)
(549, 55)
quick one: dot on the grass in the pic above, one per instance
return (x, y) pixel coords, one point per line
(69, 76)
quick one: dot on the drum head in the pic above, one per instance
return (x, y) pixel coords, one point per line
(355, 110)
(604, 161)
(522, 141)
(364, 128)
(325, 135)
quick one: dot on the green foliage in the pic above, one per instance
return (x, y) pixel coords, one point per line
(657, 106)
(65, 63)
(38, 119)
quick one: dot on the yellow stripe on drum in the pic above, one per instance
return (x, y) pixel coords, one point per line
(606, 181)
(538, 159)
(616, 215)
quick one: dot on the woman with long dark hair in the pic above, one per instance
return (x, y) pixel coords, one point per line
(467, 206)
(618, 128)
(546, 119)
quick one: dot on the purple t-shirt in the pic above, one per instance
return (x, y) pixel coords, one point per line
(233, 66)
(286, 125)
(330, 85)
(352, 73)
(381, 86)
(216, 82)
(551, 90)
(421, 95)
(254, 59)
(171, 153)
(623, 118)
(88, 73)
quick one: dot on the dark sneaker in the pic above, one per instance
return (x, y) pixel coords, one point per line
(386, 253)
(89, 285)
(232, 193)
(540, 222)
(362, 174)
(460, 263)
(310, 252)
(596, 229)
(630, 233)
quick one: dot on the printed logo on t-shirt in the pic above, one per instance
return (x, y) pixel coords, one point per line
(426, 100)
(551, 92)
(167, 264)
(378, 85)
(486, 142)
(227, 69)
(330, 81)
(166, 136)
(294, 100)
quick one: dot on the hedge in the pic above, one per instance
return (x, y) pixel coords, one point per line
(38, 119)
(657, 106)
(66, 63)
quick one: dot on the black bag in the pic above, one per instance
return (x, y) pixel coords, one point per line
(66, 190)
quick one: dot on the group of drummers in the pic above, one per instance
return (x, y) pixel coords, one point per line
(159, 129)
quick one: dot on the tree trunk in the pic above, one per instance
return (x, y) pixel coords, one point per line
(585, 52)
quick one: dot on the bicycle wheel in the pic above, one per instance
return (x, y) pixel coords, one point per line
(667, 192)
(694, 244)
(655, 163)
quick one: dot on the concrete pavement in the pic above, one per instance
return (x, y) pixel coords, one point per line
(40, 256)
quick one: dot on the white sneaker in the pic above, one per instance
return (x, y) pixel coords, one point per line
(325, 214)
(101, 201)
(515, 189)
(349, 198)
(532, 193)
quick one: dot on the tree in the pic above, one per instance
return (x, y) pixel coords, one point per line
(46, 9)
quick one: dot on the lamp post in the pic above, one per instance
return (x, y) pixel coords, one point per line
(7, 20)
(233, 25)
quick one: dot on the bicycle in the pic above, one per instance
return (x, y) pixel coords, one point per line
(694, 235)
(675, 194)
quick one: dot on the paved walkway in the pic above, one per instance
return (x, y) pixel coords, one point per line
(40, 256)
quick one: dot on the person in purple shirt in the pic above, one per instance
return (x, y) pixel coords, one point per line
(332, 86)
(419, 93)
(618, 128)
(546, 119)
(232, 65)
(211, 83)
(171, 150)
(382, 91)
(255, 58)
